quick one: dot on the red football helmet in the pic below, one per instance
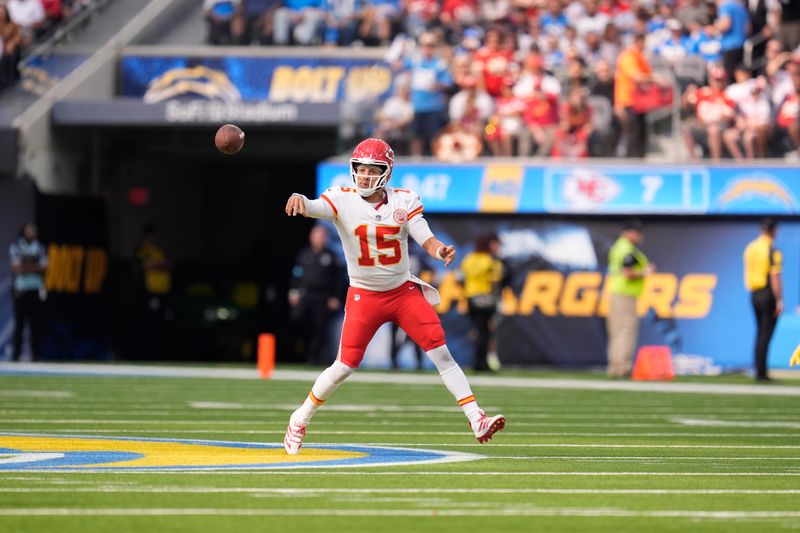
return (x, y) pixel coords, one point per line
(372, 152)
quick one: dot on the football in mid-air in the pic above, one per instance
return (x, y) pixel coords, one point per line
(229, 139)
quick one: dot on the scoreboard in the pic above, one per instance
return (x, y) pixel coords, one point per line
(589, 188)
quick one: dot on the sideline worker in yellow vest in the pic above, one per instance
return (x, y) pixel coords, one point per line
(482, 272)
(154, 283)
(762, 277)
(627, 268)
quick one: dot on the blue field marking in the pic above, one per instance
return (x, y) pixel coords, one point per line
(71, 453)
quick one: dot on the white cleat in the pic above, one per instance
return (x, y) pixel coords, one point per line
(486, 426)
(293, 440)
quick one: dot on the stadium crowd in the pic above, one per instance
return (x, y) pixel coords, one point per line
(553, 77)
(24, 22)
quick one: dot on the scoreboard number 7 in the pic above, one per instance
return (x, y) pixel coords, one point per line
(651, 184)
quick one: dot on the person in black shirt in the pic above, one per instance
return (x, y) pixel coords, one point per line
(315, 293)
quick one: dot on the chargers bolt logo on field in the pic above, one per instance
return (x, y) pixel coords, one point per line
(77, 453)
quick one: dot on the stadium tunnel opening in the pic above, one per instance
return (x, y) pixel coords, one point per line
(221, 221)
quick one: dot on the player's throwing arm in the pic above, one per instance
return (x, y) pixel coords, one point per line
(296, 205)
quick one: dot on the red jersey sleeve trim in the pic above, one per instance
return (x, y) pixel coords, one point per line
(335, 211)
(415, 212)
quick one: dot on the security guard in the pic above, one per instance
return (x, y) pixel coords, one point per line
(762, 277)
(627, 267)
(316, 290)
(28, 263)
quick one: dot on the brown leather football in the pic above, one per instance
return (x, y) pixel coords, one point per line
(229, 139)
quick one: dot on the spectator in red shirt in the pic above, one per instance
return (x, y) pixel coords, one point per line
(572, 136)
(788, 119)
(506, 124)
(534, 73)
(541, 118)
(457, 15)
(713, 113)
(493, 62)
(53, 11)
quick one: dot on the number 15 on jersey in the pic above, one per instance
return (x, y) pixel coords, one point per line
(383, 241)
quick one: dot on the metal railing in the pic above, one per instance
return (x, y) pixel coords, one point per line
(671, 113)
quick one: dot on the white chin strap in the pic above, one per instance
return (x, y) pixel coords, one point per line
(367, 192)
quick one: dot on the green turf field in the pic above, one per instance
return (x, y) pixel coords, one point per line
(569, 460)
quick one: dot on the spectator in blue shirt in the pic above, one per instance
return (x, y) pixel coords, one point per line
(733, 26)
(28, 263)
(706, 43)
(676, 46)
(300, 22)
(220, 16)
(342, 20)
(554, 21)
(430, 78)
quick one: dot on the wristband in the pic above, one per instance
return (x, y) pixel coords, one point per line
(439, 252)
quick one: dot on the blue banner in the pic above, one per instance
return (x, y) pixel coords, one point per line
(249, 79)
(555, 298)
(591, 188)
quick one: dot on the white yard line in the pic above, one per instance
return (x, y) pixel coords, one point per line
(12, 393)
(23, 432)
(443, 490)
(395, 378)
(234, 422)
(508, 511)
(715, 422)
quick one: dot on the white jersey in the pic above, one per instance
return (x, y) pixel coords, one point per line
(374, 237)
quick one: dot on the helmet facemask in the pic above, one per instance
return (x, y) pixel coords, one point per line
(372, 182)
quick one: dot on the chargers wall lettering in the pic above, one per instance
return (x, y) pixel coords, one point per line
(584, 294)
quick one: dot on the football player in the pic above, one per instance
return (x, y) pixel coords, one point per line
(374, 222)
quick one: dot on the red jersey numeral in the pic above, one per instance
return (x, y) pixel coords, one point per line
(347, 189)
(365, 259)
(381, 243)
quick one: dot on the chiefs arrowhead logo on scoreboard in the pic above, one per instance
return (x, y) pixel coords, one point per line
(586, 188)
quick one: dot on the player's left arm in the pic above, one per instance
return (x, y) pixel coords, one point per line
(439, 250)
(420, 231)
